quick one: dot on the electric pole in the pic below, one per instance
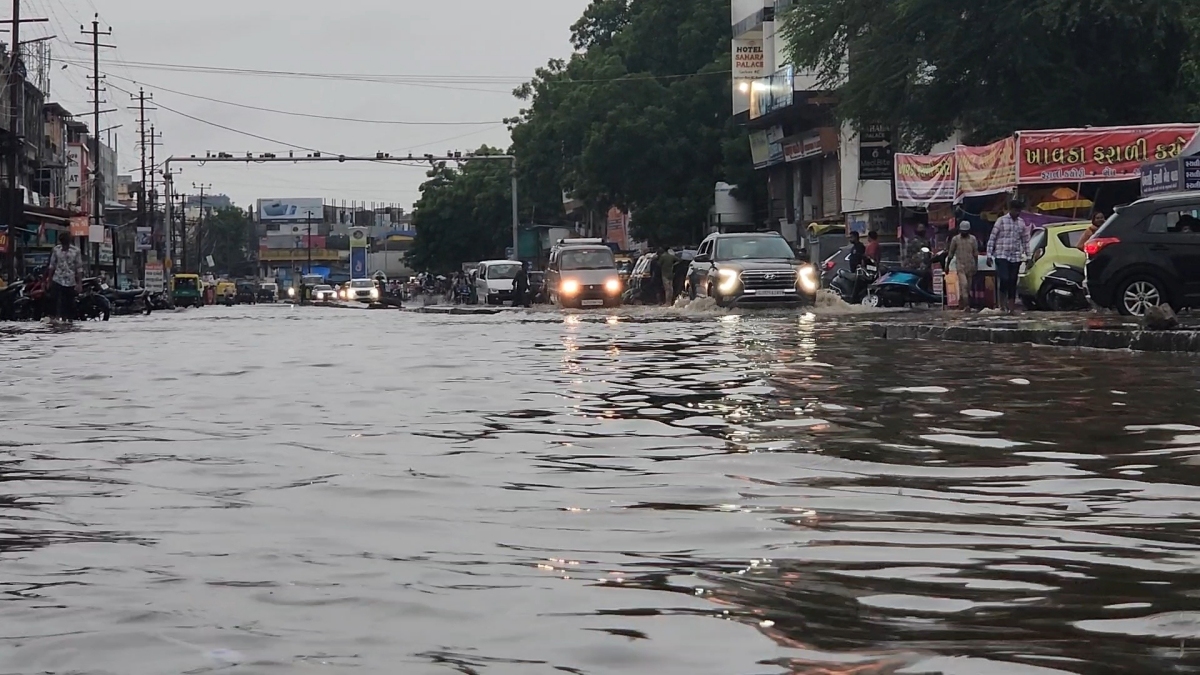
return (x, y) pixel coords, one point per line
(141, 109)
(200, 230)
(15, 218)
(183, 239)
(97, 174)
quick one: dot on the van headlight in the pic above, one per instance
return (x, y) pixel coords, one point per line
(568, 287)
(291, 292)
(728, 281)
(806, 280)
(613, 286)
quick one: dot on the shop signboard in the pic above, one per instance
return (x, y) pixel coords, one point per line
(154, 277)
(1159, 177)
(875, 152)
(79, 226)
(74, 166)
(106, 253)
(37, 259)
(925, 179)
(749, 61)
(766, 147)
(358, 237)
(3, 242)
(987, 170)
(1191, 173)
(1096, 154)
(772, 93)
(802, 147)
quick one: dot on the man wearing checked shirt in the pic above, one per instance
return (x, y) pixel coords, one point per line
(1008, 246)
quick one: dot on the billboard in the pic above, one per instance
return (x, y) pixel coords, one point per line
(74, 166)
(358, 237)
(1098, 153)
(358, 263)
(924, 179)
(154, 277)
(988, 170)
(290, 210)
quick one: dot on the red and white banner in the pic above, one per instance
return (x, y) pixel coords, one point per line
(987, 170)
(1096, 154)
(924, 179)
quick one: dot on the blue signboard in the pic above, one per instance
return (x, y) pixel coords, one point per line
(1191, 173)
(1160, 177)
(358, 263)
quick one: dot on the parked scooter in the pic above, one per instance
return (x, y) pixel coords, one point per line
(91, 305)
(901, 288)
(8, 300)
(852, 287)
(135, 301)
(1062, 290)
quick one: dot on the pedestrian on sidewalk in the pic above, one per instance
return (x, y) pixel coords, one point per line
(872, 250)
(964, 252)
(66, 277)
(667, 260)
(1008, 247)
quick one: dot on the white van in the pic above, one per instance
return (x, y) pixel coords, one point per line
(494, 281)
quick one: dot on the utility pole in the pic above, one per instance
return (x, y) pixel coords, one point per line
(200, 230)
(15, 217)
(183, 230)
(97, 174)
(155, 228)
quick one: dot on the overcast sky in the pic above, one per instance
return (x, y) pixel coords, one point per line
(447, 61)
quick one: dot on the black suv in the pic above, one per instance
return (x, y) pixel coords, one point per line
(1147, 254)
(758, 268)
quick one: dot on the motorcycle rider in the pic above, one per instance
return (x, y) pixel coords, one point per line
(857, 252)
(66, 276)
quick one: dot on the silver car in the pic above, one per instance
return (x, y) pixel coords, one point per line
(583, 274)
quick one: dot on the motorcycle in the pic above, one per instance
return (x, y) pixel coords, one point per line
(135, 301)
(462, 295)
(35, 301)
(901, 288)
(8, 300)
(1062, 290)
(852, 287)
(91, 305)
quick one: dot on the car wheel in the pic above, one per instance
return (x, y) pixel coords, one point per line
(1139, 294)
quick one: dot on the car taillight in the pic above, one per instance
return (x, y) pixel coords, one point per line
(1095, 245)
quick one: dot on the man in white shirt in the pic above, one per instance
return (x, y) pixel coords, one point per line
(66, 276)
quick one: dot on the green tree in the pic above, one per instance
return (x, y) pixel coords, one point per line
(990, 67)
(637, 119)
(228, 238)
(464, 214)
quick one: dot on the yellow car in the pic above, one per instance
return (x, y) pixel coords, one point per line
(1049, 246)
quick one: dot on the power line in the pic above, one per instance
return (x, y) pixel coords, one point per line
(300, 114)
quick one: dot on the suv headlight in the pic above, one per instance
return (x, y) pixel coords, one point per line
(568, 287)
(728, 281)
(806, 279)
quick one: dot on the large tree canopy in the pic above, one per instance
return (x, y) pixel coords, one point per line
(464, 214)
(636, 119)
(990, 67)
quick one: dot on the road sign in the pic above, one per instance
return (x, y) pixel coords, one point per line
(154, 277)
(875, 153)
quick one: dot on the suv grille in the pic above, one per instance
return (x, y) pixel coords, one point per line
(763, 281)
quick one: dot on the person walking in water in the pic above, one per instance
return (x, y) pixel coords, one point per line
(1008, 247)
(667, 261)
(66, 276)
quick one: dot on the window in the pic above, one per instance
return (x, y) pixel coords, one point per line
(503, 271)
(587, 259)
(753, 248)
(1071, 239)
(1182, 220)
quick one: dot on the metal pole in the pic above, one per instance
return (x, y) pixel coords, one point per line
(98, 180)
(304, 286)
(16, 205)
(516, 218)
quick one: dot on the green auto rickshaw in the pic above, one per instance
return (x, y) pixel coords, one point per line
(187, 290)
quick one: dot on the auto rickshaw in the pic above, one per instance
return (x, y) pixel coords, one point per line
(226, 290)
(187, 290)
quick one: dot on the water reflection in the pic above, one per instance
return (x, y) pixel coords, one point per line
(621, 492)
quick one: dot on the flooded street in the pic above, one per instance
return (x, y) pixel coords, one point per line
(280, 490)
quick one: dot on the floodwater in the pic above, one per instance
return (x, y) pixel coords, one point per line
(304, 490)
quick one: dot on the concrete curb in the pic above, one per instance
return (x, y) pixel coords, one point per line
(1186, 341)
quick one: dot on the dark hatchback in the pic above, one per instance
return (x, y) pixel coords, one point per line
(1147, 254)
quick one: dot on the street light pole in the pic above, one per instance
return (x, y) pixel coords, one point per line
(304, 292)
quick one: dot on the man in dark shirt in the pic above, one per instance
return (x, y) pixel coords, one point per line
(857, 251)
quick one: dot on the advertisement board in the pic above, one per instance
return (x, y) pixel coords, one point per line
(3, 242)
(106, 253)
(145, 239)
(1096, 154)
(79, 226)
(288, 210)
(617, 228)
(74, 166)
(766, 147)
(358, 237)
(358, 263)
(1191, 173)
(875, 152)
(154, 277)
(749, 59)
(987, 170)
(95, 233)
(924, 179)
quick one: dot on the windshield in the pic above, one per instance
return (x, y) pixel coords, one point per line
(587, 259)
(362, 283)
(503, 271)
(185, 284)
(323, 287)
(753, 248)
(1038, 240)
